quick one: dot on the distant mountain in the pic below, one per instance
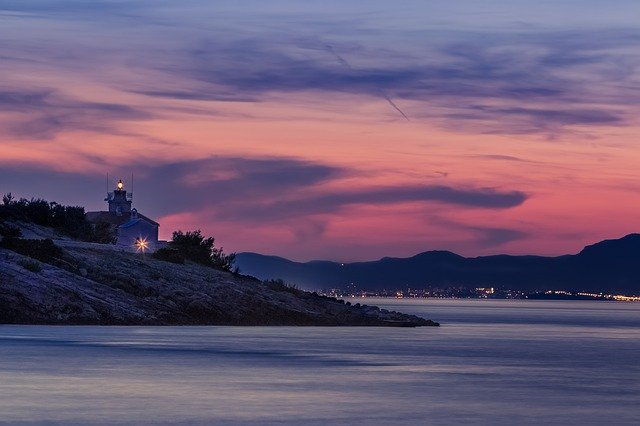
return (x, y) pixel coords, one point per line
(51, 279)
(610, 266)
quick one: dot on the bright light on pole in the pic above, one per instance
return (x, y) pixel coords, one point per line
(141, 245)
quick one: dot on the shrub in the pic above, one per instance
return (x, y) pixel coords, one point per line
(38, 211)
(281, 285)
(30, 265)
(43, 250)
(9, 231)
(69, 220)
(7, 199)
(192, 245)
(103, 233)
(169, 255)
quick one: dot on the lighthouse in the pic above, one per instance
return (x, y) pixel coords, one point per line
(127, 224)
(119, 200)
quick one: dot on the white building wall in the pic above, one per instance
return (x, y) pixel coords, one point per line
(142, 229)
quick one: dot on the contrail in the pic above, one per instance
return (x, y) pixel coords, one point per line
(346, 64)
(338, 57)
(395, 106)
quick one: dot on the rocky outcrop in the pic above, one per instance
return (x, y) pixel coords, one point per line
(95, 284)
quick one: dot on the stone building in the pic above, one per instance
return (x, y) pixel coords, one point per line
(131, 227)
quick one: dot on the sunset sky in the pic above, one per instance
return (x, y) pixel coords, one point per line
(342, 130)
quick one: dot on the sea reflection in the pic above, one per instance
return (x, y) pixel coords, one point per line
(492, 362)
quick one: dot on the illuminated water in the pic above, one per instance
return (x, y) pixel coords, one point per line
(492, 362)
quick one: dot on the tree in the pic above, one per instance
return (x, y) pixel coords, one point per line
(70, 220)
(6, 199)
(103, 233)
(200, 249)
(38, 211)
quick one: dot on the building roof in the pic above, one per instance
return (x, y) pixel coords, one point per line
(116, 220)
(132, 222)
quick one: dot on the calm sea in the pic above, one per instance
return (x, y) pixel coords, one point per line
(491, 362)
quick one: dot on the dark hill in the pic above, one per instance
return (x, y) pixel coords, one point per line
(608, 266)
(59, 280)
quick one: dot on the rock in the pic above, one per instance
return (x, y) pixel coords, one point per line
(122, 288)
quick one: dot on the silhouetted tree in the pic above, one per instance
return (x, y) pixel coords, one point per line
(169, 255)
(200, 249)
(103, 233)
(38, 211)
(10, 231)
(44, 250)
(70, 220)
(6, 199)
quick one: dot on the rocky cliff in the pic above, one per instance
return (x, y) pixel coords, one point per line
(97, 284)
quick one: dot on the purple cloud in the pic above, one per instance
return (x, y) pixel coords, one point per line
(44, 113)
(255, 189)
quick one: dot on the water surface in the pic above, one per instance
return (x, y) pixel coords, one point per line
(491, 362)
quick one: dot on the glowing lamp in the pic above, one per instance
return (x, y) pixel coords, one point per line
(141, 244)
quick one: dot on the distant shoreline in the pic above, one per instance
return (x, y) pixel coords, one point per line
(539, 296)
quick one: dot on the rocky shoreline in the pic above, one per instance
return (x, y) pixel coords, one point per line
(93, 284)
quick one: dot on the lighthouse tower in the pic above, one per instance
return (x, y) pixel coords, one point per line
(119, 200)
(130, 227)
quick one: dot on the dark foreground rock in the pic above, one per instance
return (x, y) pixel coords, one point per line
(91, 284)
